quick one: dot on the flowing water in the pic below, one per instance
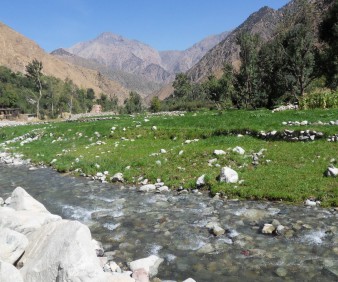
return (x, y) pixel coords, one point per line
(132, 225)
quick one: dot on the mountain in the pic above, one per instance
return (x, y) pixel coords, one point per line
(181, 61)
(129, 81)
(17, 51)
(265, 23)
(136, 65)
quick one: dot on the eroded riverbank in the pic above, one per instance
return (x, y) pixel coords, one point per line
(133, 225)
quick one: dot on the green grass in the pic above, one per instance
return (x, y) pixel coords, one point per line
(294, 173)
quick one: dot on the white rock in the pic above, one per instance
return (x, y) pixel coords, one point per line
(149, 264)
(239, 150)
(21, 200)
(25, 222)
(163, 151)
(9, 273)
(8, 200)
(217, 230)
(163, 189)
(332, 171)
(219, 152)
(154, 128)
(180, 152)
(117, 177)
(228, 175)
(121, 277)
(12, 245)
(147, 188)
(114, 267)
(200, 181)
(268, 228)
(98, 248)
(189, 280)
(61, 251)
(310, 203)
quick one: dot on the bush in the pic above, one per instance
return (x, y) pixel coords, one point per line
(319, 98)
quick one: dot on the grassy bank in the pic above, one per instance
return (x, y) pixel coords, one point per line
(289, 171)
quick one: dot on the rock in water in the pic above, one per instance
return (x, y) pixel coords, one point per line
(61, 251)
(149, 264)
(228, 175)
(268, 228)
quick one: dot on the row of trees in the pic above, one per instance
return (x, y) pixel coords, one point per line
(49, 97)
(298, 59)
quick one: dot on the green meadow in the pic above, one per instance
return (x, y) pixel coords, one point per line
(288, 171)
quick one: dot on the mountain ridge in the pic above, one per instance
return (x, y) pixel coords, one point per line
(17, 51)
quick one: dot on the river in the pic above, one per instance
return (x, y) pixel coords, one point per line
(133, 225)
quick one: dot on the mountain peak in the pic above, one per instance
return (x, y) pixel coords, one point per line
(109, 36)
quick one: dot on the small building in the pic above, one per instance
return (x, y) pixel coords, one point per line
(9, 113)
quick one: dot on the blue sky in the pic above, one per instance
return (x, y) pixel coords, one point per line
(162, 24)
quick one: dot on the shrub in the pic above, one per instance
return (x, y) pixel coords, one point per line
(319, 98)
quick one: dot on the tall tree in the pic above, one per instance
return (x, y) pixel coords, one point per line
(133, 104)
(34, 72)
(298, 45)
(329, 35)
(247, 79)
(182, 86)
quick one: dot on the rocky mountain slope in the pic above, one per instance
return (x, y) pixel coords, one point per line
(264, 23)
(129, 81)
(181, 61)
(16, 51)
(135, 64)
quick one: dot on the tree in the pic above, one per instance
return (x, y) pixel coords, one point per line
(329, 35)
(182, 86)
(133, 104)
(247, 79)
(34, 73)
(298, 46)
(155, 104)
(271, 74)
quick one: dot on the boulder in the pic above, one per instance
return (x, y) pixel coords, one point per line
(239, 150)
(268, 228)
(228, 175)
(200, 181)
(117, 177)
(147, 188)
(215, 228)
(24, 221)
(219, 152)
(121, 277)
(140, 275)
(61, 251)
(98, 248)
(189, 280)
(149, 264)
(8, 273)
(21, 200)
(12, 245)
(331, 171)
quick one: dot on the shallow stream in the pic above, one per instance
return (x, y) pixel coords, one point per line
(133, 225)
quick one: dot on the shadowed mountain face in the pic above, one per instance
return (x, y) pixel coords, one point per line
(17, 51)
(264, 22)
